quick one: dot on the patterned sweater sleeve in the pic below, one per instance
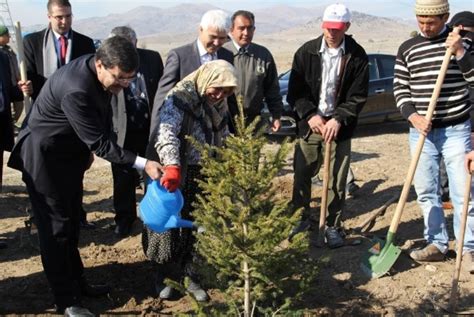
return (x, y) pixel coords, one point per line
(168, 142)
(401, 85)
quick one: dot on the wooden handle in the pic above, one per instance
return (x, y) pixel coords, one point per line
(460, 243)
(419, 147)
(21, 61)
(324, 198)
(374, 214)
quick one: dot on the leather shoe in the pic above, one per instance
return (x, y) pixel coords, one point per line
(199, 294)
(430, 253)
(77, 311)
(94, 290)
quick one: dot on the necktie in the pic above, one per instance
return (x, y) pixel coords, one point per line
(243, 51)
(63, 49)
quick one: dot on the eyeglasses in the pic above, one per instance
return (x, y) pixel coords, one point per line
(123, 81)
(59, 18)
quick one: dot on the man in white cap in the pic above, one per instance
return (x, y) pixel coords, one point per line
(328, 87)
(448, 134)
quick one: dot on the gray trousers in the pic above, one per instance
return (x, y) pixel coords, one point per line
(308, 159)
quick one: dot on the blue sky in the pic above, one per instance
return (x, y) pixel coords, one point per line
(30, 12)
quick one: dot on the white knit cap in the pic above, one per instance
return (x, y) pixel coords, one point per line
(431, 7)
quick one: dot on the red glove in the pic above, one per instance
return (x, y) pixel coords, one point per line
(171, 178)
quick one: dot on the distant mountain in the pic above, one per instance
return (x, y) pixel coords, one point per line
(147, 20)
(282, 29)
(183, 20)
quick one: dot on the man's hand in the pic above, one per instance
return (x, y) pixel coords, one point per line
(153, 169)
(420, 123)
(469, 162)
(454, 43)
(276, 125)
(330, 130)
(316, 124)
(26, 87)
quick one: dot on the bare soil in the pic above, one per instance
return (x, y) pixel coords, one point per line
(380, 162)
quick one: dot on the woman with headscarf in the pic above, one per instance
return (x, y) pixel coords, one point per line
(196, 106)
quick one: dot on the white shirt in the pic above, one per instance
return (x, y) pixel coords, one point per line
(204, 55)
(331, 68)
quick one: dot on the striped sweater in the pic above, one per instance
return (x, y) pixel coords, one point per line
(417, 66)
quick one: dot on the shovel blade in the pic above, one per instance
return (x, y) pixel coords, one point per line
(380, 258)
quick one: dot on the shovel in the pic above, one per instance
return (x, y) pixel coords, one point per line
(382, 254)
(462, 231)
(324, 199)
(22, 64)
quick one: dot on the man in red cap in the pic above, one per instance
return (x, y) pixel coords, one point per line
(327, 88)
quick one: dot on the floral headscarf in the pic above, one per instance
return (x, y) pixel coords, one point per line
(189, 93)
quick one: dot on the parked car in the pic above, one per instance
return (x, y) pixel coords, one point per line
(380, 105)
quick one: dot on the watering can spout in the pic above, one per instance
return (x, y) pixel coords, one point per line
(176, 222)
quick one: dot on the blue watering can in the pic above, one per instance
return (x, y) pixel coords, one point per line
(160, 209)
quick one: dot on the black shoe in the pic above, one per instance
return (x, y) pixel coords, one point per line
(77, 311)
(334, 238)
(87, 225)
(351, 189)
(123, 230)
(91, 290)
(3, 245)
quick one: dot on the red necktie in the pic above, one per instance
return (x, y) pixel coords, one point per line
(63, 49)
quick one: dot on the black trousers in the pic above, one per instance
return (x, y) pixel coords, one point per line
(57, 219)
(126, 179)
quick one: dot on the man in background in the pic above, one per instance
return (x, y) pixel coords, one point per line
(328, 87)
(258, 76)
(55, 46)
(14, 70)
(131, 119)
(182, 61)
(51, 48)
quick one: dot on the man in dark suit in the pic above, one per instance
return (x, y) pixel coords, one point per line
(53, 47)
(70, 119)
(131, 119)
(9, 92)
(184, 60)
(58, 44)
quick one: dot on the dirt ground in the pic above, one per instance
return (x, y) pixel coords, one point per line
(380, 163)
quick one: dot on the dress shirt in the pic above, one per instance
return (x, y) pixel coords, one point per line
(204, 55)
(331, 67)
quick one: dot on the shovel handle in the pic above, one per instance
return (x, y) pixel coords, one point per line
(419, 147)
(460, 243)
(21, 62)
(324, 198)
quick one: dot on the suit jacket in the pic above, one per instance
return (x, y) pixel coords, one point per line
(33, 46)
(9, 93)
(181, 62)
(151, 66)
(71, 117)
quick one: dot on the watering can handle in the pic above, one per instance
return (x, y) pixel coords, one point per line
(419, 147)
